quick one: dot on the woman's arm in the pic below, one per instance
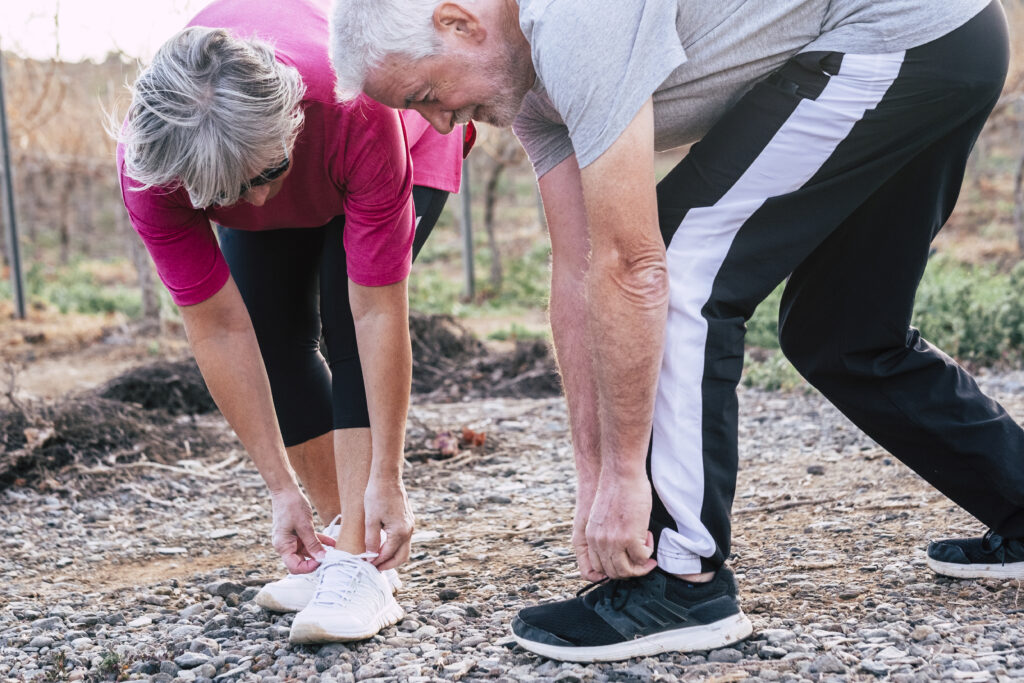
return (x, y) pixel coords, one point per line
(381, 317)
(225, 347)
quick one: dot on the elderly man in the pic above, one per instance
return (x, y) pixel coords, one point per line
(831, 138)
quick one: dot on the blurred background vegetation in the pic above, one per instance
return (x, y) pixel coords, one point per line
(81, 257)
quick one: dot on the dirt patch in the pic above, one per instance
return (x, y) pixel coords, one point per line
(450, 364)
(177, 388)
(144, 412)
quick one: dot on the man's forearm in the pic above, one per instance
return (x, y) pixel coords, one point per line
(570, 250)
(627, 293)
(572, 353)
(627, 306)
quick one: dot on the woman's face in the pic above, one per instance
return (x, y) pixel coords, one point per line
(260, 195)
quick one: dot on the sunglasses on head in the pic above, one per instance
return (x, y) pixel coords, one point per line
(269, 175)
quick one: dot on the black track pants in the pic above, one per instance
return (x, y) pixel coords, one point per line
(836, 171)
(294, 282)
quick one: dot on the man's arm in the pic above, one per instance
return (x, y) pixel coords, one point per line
(381, 317)
(627, 293)
(225, 347)
(566, 216)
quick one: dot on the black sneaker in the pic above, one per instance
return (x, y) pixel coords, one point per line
(635, 618)
(990, 556)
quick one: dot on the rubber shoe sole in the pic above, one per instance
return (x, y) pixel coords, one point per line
(1013, 570)
(711, 636)
(311, 630)
(295, 600)
(270, 603)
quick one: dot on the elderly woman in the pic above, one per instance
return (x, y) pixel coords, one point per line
(235, 123)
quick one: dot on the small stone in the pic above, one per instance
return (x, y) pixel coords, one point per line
(64, 561)
(921, 632)
(81, 643)
(774, 636)
(46, 624)
(191, 660)
(727, 654)
(447, 594)
(191, 610)
(184, 632)
(827, 664)
(816, 470)
(771, 652)
(41, 642)
(168, 550)
(223, 533)
(223, 588)
(140, 622)
(205, 646)
(873, 667)
(498, 499)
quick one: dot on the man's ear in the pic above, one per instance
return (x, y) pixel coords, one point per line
(454, 20)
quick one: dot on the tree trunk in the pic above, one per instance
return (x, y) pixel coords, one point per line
(490, 199)
(140, 259)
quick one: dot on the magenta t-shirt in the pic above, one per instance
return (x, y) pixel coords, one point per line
(349, 159)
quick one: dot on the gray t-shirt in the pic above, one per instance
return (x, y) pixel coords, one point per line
(598, 61)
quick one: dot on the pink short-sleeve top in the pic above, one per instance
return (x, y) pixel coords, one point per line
(358, 159)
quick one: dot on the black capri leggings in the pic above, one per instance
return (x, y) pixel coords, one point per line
(294, 283)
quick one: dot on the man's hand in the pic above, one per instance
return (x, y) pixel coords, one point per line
(618, 542)
(585, 491)
(387, 509)
(293, 535)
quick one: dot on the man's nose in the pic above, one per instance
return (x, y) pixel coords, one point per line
(257, 196)
(437, 116)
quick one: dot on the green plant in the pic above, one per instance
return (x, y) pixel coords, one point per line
(59, 664)
(110, 665)
(773, 373)
(515, 331)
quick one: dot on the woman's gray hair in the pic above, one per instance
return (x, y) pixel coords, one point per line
(365, 32)
(209, 113)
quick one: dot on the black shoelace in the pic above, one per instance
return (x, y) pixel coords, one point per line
(1004, 549)
(620, 591)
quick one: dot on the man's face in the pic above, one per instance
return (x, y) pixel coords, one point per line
(454, 87)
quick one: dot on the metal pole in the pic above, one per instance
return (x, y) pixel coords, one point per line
(13, 254)
(467, 233)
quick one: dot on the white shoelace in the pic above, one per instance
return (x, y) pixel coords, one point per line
(339, 577)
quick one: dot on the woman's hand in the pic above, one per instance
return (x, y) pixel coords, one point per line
(387, 510)
(293, 535)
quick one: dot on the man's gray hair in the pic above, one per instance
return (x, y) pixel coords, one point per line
(209, 113)
(365, 32)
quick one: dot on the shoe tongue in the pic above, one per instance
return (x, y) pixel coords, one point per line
(599, 592)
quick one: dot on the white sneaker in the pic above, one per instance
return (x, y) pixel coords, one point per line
(352, 601)
(294, 591)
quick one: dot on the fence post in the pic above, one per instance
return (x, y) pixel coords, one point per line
(13, 254)
(467, 233)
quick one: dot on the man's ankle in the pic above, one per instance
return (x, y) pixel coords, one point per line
(704, 577)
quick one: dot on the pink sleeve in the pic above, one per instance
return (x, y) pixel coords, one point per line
(436, 158)
(377, 176)
(179, 238)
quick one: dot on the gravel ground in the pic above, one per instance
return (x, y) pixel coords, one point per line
(147, 571)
